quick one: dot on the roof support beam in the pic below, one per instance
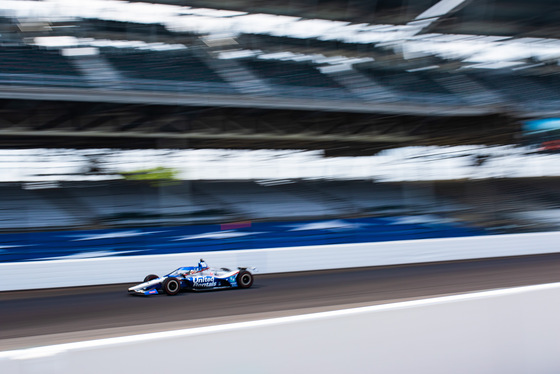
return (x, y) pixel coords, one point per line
(440, 9)
(236, 101)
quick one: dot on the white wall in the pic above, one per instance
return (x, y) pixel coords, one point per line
(513, 331)
(108, 270)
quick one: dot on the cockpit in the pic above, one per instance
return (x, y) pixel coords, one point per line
(189, 270)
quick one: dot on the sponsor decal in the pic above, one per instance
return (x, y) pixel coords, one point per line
(235, 225)
(552, 145)
(205, 281)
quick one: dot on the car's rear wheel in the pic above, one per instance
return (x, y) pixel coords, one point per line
(150, 277)
(244, 279)
(171, 286)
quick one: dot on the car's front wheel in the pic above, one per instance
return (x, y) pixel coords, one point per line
(150, 277)
(244, 279)
(171, 286)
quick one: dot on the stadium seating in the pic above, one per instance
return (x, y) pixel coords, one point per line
(166, 70)
(115, 204)
(171, 65)
(125, 203)
(413, 86)
(186, 70)
(24, 65)
(291, 73)
(249, 200)
(26, 209)
(290, 78)
(519, 88)
(137, 217)
(27, 60)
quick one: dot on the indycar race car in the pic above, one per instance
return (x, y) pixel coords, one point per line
(195, 278)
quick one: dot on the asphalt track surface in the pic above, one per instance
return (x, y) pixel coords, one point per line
(42, 317)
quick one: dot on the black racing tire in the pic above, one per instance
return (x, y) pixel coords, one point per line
(171, 286)
(244, 279)
(150, 277)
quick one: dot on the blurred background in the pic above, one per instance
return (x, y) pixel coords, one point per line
(131, 128)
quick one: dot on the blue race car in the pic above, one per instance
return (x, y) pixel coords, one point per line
(195, 278)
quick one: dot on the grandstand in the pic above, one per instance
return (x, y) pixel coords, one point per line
(409, 68)
(492, 205)
(93, 219)
(348, 78)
